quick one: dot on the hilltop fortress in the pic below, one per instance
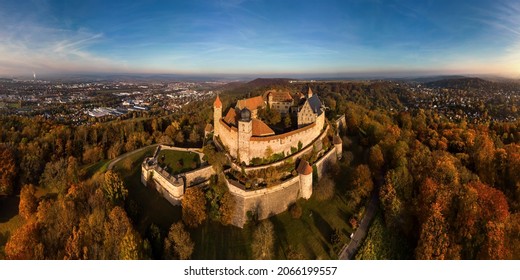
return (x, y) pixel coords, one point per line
(246, 137)
(298, 154)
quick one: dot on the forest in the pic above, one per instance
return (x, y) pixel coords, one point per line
(447, 189)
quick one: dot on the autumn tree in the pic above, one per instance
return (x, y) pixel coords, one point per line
(131, 247)
(194, 207)
(376, 159)
(114, 188)
(54, 176)
(178, 243)
(28, 202)
(227, 208)
(391, 203)
(262, 244)
(433, 241)
(324, 190)
(362, 185)
(7, 169)
(25, 244)
(115, 228)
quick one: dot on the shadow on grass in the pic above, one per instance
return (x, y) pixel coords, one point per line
(323, 226)
(281, 243)
(8, 207)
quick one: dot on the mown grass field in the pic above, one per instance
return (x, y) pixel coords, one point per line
(178, 161)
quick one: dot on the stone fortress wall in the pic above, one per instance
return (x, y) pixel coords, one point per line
(172, 187)
(281, 143)
(293, 157)
(274, 200)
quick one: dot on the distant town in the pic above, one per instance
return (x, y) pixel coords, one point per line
(89, 102)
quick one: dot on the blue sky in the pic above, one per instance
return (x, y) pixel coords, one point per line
(261, 37)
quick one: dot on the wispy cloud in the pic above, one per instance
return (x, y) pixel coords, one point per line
(28, 46)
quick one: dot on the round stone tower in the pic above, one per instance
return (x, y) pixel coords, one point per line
(338, 144)
(305, 171)
(217, 115)
(245, 131)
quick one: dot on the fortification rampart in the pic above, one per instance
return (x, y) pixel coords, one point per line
(265, 202)
(260, 147)
(293, 158)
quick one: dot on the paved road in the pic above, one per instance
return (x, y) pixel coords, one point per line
(119, 158)
(348, 251)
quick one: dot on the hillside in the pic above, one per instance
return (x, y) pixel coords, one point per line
(461, 83)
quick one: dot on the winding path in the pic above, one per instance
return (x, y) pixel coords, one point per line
(350, 249)
(119, 158)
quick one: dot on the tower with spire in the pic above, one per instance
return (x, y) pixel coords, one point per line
(217, 115)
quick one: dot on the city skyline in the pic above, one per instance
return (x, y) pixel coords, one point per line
(302, 38)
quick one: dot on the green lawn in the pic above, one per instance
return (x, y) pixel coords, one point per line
(310, 235)
(178, 161)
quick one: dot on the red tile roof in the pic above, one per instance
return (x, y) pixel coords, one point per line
(279, 96)
(304, 168)
(217, 103)
(231, 117)
(261, 129)
(252, 103)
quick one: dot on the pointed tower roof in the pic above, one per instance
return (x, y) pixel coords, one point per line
(304, 167)
(309, 93)
(217, 103)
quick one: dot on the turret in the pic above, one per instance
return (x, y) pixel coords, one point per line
(305, 171)
(217, 115)
(245, 131)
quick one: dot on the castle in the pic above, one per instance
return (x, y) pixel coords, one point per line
(307, 147)
(246, 136)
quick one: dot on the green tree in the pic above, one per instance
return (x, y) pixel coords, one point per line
(114, 188)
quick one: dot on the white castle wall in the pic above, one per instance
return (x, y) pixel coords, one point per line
(163, 184)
